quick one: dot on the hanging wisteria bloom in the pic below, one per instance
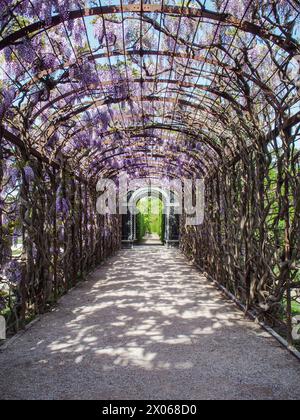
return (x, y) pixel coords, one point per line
(12, 272)
(62, 206)
(7, 98)
(28, 173)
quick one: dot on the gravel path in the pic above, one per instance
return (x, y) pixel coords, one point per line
(147, 326)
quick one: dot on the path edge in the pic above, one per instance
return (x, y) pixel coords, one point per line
(252, 316)
(5, 344)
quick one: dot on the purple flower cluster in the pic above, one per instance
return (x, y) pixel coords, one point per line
(84, 73)
(26, 52)
(62, 206)
(28, 173)
(13, 272)
(105, 120)
(99, 31)
(64, 8)
(7, 97)
(14, 176)
(53, 140)
(4, 5)
(49, 61)
(82, 140)
(239, 8)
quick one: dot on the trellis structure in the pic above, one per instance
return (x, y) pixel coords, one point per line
(163, 89)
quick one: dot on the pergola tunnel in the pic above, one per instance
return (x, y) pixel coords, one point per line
(171, 91)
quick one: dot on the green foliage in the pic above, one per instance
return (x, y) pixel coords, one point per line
(295, 308)
(150, 219)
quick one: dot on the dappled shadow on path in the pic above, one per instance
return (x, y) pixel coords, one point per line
(151, 239)
(147, 326)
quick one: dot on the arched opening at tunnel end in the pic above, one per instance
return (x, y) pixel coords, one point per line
(151, 218)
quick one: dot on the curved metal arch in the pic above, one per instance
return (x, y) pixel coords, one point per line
(180, 127)
(170, 161)
(190, 154)
(153, 173)
(127, 53)
(286, 44)
(208, 142)
(198, 170)
(201, 165)
(98, 103)
(145, 127)
(52, 128)
(271, 135)
(110, 173)
(229, 68)
(184, 129)
(94, 87)
(194, 155)
(152, 161)
(205, 139)
(155, 126)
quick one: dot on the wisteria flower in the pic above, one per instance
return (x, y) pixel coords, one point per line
(28, 173)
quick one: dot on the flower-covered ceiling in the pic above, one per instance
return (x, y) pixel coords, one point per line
(163, 88)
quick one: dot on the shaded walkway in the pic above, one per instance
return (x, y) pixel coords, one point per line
(151, 239)
(147, 326)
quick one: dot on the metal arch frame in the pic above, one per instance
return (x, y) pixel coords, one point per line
(162, 126)
(141, 53)
(238, 108)
(160, 156)
(51, 128)
(272, 134)
(241, 26)
(208, 143)
(157, 126)
(196, 57)
(151, 99)
(225, 18)
(95, 87)
(135, 129)
(154, 126)
(112, 101)
(154, 172)
(200, 164)
(117, 53)
(206, 108)
(190, 155)
(93, 104)
(68, 65)
(99, 170)
(18, 142)
(103, 104)
(9, 136)
(235, 105)
(140, 164)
